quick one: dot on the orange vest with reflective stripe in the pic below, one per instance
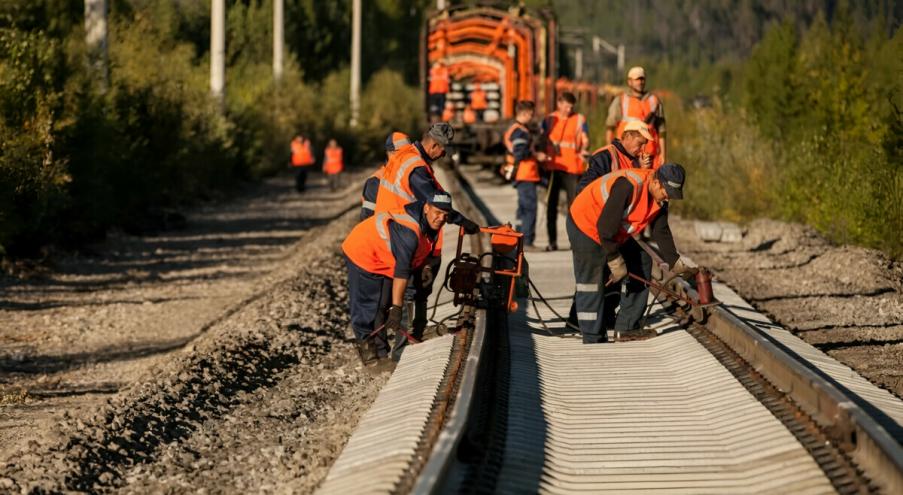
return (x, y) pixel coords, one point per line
(478, 99)
(394, 188)
(369, 245)
(332, 161)
(618, 160)
(565, 139)
(587, 206)
(301, 155)
(637, 109)
(438, 79)
(400, 140)
(527, 169)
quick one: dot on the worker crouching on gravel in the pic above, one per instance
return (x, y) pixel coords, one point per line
(394, 142)
(381, 253)
(600, 224)
(522, 167)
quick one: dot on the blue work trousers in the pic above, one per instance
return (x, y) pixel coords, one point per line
(370, 295)
(526, 211)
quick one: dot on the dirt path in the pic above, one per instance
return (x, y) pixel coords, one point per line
(218, 350)
(845, 300)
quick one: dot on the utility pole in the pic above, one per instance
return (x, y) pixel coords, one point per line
(96, 39)
(278, 38)
(218, 49)
(355, 62)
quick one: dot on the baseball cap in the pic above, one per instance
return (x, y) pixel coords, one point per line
(636, 73)
(639, 126)
(396, 141)
(442, 133)
(672, 176)
(442, 201)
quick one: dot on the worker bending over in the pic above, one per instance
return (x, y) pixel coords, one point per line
(394, 142)
(333, 163)
(409, 177)
(600, 224)
(566, 135)
(622, 153)
(522, 167)
(638, 105)
(302, 158)
(381, 254)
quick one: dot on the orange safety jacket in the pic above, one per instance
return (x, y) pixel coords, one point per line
(587, 206)
(369, 245)
(638, 109)
(528, 168)
(301, 154)
(470, 115)
(478, 99)
(438, 80)
(618, 160)
(332, 161)
(448, 114)
(564, 142)
(395, 187)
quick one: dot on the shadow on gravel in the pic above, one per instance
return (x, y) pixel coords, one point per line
(37, 306)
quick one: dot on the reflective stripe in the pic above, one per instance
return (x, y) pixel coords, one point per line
(586, 316)
(565, 144)
(587, 287)
(398, 143)
(405, 217)
(404, 168)
(381, 229)
(519, 141)
(625, 106)
(397, 190)
(368, 205)
(633, 119)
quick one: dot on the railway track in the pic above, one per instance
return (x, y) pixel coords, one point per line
(730, 403)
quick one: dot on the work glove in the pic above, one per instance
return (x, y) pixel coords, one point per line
(683, 269)
(470, 227)
(393, 319)
(426, 276)
(618, 269)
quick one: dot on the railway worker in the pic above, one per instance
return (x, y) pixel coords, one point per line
(381, 253)
(620, 154)
(438, 88)
(478, 100)
(469, 116)
(449, 113)
(409, 177)
(638, 105)
(521, 166)
(394, 141)
(333, 163)
(302, 158)
(566, 135)
(600, 224)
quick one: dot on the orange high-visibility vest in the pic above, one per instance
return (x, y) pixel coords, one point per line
(448, 114)
(478, 99)
(395, 186)
(438, 79)
(618, 160)
(369, 245)
(637, 109)
(566, 136)
(527, 169)
(332, 160)
(470, 115)
(400, 140)
(588, 205)
(301, 154)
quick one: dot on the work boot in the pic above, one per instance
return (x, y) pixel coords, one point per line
(367, 352)
(589, 338)
(552, 247)
(532, 248)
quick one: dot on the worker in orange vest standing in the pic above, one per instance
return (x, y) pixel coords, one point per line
(333, 163)
(394, 142)
(600, 226)
(438, 88)
(469, 115)
(409, 177)
(448, 114)
(381, 253)
(478, 100)
(302, 158)
(566, 135)
(522, 167)
(638, 105)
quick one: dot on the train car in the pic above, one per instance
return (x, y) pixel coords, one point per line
(493, 58)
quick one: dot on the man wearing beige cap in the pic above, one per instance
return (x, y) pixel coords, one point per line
(638, 105)
(620, 154)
